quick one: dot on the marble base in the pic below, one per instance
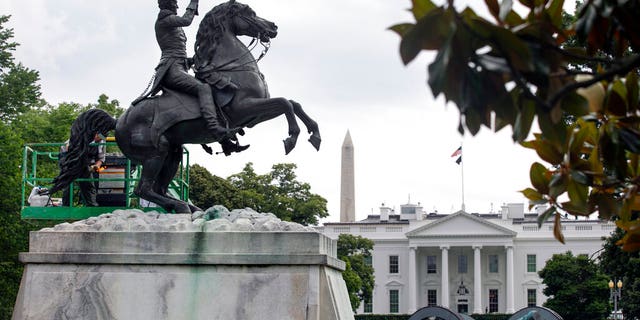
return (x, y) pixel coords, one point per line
(181, 275)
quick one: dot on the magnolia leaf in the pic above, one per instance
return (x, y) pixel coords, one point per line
(620, 91)
(632, 91)
(605, 203)
(547, 152)
(524, 120)
(578, 195)
(580, 177)
(630, 242)
(545, 215)
(630, 139)
(533, 196)
(552, 131)
(402, 28)
(575, 104)
(539, 176)
(555, 12)
(421, 8)
(431, 32)
(557, 185)
(494, 8)
(528, 3)
(557, 229)
(438, 70)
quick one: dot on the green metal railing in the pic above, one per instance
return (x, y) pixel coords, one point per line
(40, 166)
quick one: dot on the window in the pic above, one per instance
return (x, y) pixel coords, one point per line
(368, 260)
(493, 300)
(393, 264)
(531, 298)
(408, 210)
(531, 263)
(394, 301)
(462, 264)
(431, 264)
(432, 298)
(493, 263)
(368, 306)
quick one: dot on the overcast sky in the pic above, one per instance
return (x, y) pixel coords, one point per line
(335, 57)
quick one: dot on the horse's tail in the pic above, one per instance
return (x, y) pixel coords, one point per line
(83, 131)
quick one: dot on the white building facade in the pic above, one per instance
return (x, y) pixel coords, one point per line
(470, 263)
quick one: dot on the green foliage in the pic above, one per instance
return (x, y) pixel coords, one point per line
(24, 118)
(278, 192)
(491, 316)
(112, 107)
(577, 76)
(625, 266)
(358, 275)
(576, 287)
(382, 316)
(407, 316)
(19, 89)
(207, 190)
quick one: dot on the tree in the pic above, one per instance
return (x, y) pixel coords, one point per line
(355, 251)
(19, 88)
(519, 68)
(280, 193)
(207, 190)
(13, 232)
(19, 92)
(576, 287)
(624, 266)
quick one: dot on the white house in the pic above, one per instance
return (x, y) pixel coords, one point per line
(468, 262)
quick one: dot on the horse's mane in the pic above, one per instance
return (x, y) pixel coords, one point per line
(210, 31)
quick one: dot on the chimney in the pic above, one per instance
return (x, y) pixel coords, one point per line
(384, 213)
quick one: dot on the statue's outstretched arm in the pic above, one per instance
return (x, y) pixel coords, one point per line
(184, 21)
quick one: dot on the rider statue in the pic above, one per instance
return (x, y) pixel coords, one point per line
(172, 71)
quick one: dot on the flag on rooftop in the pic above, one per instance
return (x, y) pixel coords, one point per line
(458, 153)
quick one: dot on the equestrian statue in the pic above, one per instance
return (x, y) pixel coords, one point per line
(227, 94)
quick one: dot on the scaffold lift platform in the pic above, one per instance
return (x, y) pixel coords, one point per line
(115, 184)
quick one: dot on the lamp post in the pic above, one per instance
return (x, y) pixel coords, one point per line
(615, 293)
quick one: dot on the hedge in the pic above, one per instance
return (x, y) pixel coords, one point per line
(382, 316)
(407, 316)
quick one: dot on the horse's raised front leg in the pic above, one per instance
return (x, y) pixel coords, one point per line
(253, 111)
(312, 126)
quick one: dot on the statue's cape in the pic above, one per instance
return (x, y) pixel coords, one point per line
(173, 107)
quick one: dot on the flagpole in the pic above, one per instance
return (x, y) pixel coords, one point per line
(462, 177)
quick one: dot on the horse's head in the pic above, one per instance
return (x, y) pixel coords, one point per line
(245, 22)
(232, 18)
(238, 19)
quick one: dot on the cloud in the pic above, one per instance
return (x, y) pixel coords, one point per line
(336, 57)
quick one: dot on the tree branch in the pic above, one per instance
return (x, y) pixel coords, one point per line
(631, 63)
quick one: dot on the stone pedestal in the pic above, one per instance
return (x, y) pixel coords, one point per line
(181, 275)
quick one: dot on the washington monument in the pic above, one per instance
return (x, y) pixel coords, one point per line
(347, 183)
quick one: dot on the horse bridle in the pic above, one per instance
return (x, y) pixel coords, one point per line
(254, 42)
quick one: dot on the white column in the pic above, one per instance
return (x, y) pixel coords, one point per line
(510, 306)
(413, 292)
(477, 281)
(445, 276)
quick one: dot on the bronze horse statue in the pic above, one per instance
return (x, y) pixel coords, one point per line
(153, 131)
